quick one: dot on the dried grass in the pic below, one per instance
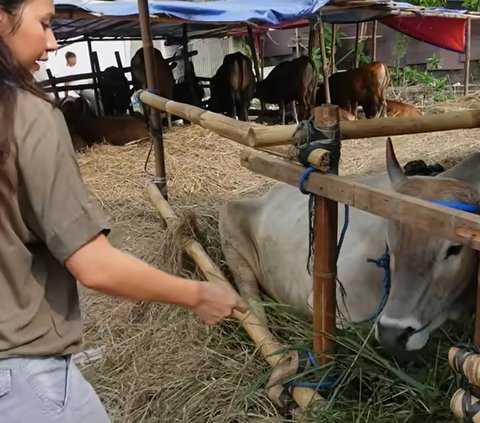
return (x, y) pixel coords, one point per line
(161, 364)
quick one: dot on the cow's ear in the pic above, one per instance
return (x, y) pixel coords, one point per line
(395, 172)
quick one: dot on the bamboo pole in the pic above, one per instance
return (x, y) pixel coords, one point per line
(321, 42)
(269, 347)
(468, 42)
(374, 40)
(152, 83)
(259, 136)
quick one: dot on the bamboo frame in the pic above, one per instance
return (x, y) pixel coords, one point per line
(271, 350)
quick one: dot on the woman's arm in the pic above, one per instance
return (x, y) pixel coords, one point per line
(101, 267)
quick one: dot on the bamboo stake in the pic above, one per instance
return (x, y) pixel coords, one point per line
(269, 347)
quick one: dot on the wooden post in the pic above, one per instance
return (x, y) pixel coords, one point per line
(93, 65)
(321, 41)
(467, 56)
(374, 41)
(332, 48)
(357, 51)
(325, 257)
(152, 83)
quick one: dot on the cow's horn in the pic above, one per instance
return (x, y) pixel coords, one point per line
(395, 172)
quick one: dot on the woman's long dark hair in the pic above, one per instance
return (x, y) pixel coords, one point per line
(12, 78)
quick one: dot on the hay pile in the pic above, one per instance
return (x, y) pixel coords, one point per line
(161, 364)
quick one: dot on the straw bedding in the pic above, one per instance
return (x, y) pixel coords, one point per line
(160, 364)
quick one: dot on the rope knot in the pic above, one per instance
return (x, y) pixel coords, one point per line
(383, 261)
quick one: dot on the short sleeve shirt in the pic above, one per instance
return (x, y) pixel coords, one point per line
(44, 219)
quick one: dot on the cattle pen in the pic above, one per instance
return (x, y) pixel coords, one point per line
(328, 191)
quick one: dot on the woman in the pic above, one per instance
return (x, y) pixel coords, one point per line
(51, 236)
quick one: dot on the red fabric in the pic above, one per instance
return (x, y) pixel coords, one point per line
(445, 33)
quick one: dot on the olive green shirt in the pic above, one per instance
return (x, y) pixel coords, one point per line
(46, 218)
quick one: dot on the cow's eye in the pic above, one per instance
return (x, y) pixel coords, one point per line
(453, 250)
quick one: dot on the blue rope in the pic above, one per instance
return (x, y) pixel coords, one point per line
(459, 206)
(303, 179)
(314, 385)
(383, 262)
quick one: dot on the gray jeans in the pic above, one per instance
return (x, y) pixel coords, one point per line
(47, 390)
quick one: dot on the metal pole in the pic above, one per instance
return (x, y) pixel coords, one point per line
(467, 56)
(188, 76)
(251, 43)
(152, 83)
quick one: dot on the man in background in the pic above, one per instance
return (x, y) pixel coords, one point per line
(71, 61)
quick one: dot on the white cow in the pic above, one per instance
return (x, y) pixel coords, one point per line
(265, 242)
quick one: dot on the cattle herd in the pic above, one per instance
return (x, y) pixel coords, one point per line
(232, 88)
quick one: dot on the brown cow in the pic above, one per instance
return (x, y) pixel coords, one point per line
(290, 81)
(164, 76)
(232, 86)
(116, 130)
(364, 86)
(397, 108)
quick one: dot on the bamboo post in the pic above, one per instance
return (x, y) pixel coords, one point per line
(332, 48)
(321, 41)
(374, 40)
(95, 70)
(152, 83)
(357, 49)
(324, 259)
(269, 347)
(467, 56)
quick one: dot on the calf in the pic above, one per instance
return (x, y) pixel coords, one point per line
(232, 86)
(290, 81)
(397, 108)
(116, 130)
(165, 81)
(364, 86)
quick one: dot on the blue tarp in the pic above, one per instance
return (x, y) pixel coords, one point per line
(271, 12)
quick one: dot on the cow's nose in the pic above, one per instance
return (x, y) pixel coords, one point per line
(394, 337)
